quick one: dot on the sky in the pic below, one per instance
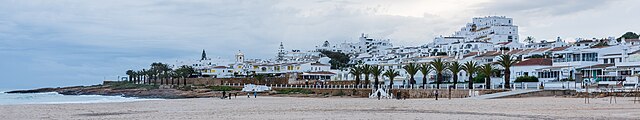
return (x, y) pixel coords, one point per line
(53, 43)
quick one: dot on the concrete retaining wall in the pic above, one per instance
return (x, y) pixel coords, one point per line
(545, 93)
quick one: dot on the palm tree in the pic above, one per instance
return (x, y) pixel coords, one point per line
(366, 70)
(376, 71)
(439, 67)
(507, 61)
(455, 68)
(355, 71)
(130, 73)
(425, 69)
(148, 76)
(173, 74)
(470, 67)
(143, 76)
(184, 72)
(391, 73)
(411, 69)
(529, 39)
(487, 69)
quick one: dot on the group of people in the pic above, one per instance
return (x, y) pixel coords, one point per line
(255, 94)
(225, 95)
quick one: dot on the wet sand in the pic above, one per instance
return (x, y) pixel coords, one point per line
(333, 108)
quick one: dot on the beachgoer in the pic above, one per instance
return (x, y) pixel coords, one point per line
(436, 92)
(378, 95)
(223, 95)
(399, 95)
(229, 95)
(255, 94)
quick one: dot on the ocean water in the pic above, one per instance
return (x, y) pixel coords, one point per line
(55, 98)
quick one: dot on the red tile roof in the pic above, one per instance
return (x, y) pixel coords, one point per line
(320, 72)
(320, 64)
(470, 54)
(535, 61)
(632, 40)
(541, 50)
(503, 43)
(220, 67)
(559, 48)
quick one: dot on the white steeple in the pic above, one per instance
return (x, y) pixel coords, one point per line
(281, 52)
(239, 57)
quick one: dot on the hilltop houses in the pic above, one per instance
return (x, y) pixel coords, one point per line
(483, 40)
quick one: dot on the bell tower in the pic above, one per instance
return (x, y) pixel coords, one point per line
(281, 52)
(239, 57)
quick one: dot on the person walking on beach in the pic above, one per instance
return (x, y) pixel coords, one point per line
(223, 95)
(255, 94)
(378, 95)
(399, 95)
(436, 92)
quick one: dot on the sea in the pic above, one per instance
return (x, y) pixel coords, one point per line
(55, 98)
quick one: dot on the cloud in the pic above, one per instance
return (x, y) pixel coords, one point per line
(87, 40)
(80, 42)
(540, 7)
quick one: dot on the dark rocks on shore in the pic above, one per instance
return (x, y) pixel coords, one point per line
(138, 92)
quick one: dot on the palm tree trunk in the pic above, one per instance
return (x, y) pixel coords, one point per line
(366, 80)
(439, 80)
(455, 81)
(507, 76)
(470, 82)
(375, 83)
(487, 82)
(411, 81)
(424, 81)
(184, 81)
(357, 80)
(390, 83)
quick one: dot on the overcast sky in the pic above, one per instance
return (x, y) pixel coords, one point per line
(50, 43)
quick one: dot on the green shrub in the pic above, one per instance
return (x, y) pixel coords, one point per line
(224, 88)
(185, 88)
(128, 85)
(526, 79)
(479, 78)
(340, 93)
(567, 79)
(294, 91)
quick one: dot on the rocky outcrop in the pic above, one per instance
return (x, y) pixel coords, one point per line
(140, 93)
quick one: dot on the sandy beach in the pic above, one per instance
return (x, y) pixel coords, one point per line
(332, 108)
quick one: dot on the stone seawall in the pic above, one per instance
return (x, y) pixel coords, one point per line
(443, 93)
(408, 93)
(222, 81)
(545, 93)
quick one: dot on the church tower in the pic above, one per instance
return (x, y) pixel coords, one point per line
(204, 55)
(281, 52)
(239, 57)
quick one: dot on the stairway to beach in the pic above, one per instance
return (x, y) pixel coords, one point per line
(503, 94)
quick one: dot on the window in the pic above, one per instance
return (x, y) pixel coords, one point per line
(606, 61)
(613, 60)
